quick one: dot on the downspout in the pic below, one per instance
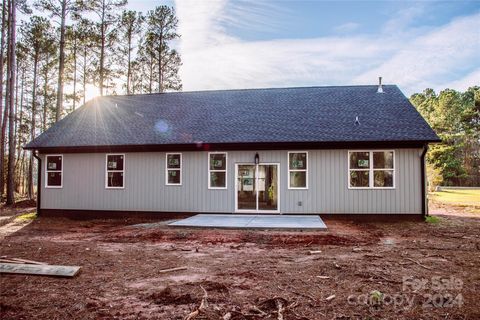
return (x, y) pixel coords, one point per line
(424, 181)
(39, 181)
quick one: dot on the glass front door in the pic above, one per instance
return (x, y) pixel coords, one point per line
(257, 187)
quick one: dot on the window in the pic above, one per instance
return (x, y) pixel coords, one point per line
(297, 170)
(54, 171)
(371, 169)
(217, 170)
(174, 169)
(115, 174)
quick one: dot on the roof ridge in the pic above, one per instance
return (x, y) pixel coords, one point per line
(244, 89)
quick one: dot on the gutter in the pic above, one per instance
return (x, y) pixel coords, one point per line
(424, 181)
(39, 181)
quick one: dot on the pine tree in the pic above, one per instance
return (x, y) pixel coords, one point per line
(60, 9)
(35, 37)
(161, 29)
(106, 11)
(129, 27)
(10, 93)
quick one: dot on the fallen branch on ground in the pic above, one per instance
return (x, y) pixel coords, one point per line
(172, 269)
(20, 261)
(330, 298)
(281, 309)
(203, 306)
(421, 265)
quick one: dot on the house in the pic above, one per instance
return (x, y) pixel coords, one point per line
(315, 150)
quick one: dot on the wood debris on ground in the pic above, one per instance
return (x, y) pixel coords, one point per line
(37, 269)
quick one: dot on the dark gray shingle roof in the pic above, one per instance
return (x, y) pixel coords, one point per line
(311, 114)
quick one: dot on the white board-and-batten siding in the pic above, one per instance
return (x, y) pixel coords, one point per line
(145, 189)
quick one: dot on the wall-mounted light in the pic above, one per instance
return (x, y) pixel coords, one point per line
(257, 158)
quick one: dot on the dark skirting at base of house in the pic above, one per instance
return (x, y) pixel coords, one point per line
(114, 214)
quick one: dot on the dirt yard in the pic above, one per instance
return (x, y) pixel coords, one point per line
(403, 270)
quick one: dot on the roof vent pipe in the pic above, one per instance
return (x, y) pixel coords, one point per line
(357, 121)
(380, 87)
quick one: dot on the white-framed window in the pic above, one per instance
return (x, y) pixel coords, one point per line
(54, 171)
(115, 171)
(173, 169)
(217, 170)
(372, 169)
(297, 170)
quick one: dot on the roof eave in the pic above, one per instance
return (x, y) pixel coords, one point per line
(236, 146)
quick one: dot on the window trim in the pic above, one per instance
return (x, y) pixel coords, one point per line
(179, 169)
(371, 170)
(214, 170)
(47, 171)
(297, 170)
(107, 171)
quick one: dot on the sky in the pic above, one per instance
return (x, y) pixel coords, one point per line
(229, 44)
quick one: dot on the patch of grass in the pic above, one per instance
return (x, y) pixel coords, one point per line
(469, 199)
(458, 197)
(432, 219)
(27, 217)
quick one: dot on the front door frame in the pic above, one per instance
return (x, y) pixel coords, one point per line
(256, 193)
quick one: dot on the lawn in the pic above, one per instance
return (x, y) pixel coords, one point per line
(468, 199)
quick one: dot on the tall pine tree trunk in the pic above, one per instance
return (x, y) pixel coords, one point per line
(32, 129)
(150, 84)
(74, 70)
(5, 109)
(61, 62)
(102, 50)
(11, 124)
(129, 67)
(160, 69)
(84, 73)
(20, 119)
(45, 94)
(2, 48)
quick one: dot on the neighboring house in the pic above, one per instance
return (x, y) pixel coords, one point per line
(315, 150)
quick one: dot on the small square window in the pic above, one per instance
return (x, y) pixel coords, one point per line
(383, 178)
(217, 170)
(298, 179)
(297, 170)
(218, 179)
(115, 171)
(218, 161)
(173, 169)
(173, 161)
(359, 179)
(115, 179)
(53, 171)
(383, 160)
(115, 162)
(54, 179)
(359, 160)
(173, 176)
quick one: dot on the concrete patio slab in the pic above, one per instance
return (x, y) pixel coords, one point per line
(243, 221)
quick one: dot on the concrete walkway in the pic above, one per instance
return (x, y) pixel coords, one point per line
(244, 221)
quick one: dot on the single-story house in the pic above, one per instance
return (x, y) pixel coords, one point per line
(314, 150)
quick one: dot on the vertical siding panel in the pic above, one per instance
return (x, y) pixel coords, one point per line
(145, 189)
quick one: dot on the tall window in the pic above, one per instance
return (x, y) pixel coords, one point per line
(297, 170)
(217, 170)
(54, 171)
(174, 169)
(115, 174)
(371, 169)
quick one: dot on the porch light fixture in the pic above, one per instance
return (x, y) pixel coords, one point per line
(257, 158)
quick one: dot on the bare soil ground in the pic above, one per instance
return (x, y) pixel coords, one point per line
(375, 271)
